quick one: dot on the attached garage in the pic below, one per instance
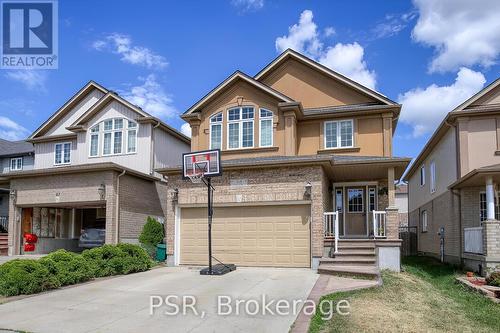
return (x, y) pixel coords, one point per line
(277, 236)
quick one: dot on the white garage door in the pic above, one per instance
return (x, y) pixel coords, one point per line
(277, 236)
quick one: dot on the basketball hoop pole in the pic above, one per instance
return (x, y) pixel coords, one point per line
(210, 213)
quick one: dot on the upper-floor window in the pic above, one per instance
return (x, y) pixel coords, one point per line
(216, 131)
(339, 134)
(16, 164)
(266, 128)
(433, 176)
(118, 136)
(422, 175)
(62, 153)
(240, 127)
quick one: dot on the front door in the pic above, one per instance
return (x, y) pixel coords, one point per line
(26, 221)
(355, 219)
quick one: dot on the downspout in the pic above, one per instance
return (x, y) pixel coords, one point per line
(117, 207)
(152, 155)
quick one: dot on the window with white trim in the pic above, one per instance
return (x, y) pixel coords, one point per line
(422, 175)
(216, 131)
(483, 216)
(433, 176)
(355, 200)
(424, 221)
(339, 134)
(372, 197)
(118, 135)
(266, 128)
(240, 127)
(62, 153)
(16, 164)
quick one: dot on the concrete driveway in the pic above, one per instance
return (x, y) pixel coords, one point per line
(122, 304)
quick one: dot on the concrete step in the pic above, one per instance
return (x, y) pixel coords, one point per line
(349, 261)
(370, 272)
(355, 252)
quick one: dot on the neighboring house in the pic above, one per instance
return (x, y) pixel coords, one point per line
(402, 203)
(297, 140)
(93, 168)
(453, 185)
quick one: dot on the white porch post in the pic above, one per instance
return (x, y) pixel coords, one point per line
(490, 199)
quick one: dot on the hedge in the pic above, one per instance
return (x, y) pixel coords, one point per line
(60, 268)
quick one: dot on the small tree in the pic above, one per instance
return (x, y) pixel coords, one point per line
(152, 234)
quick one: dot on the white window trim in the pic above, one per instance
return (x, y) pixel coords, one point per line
(432, 169)
(16, 159)
(422, 176)
(337, 124)
(497, 207)
(260, 127)
(240, 126)
(221, 129)
(362, 200)
(62, 153)
(125, 129)
(426, 224)
(98, 144)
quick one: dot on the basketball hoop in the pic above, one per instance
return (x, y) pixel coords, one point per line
(196, 178)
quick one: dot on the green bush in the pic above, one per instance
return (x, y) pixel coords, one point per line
(493, 279)
(152, 233)
(68, 267)
(25, 276)
(117, 259)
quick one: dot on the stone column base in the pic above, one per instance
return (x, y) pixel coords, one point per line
(491, 245)
(392, 223)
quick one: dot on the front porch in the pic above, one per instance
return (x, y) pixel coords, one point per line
(360, 234)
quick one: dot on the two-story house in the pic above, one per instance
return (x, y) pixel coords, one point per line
(14, 156)
(298, 140)
(93, 168)
(453, 185)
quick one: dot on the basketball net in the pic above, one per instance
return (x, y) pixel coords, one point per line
(198, 171)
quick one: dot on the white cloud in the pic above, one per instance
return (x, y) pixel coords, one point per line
(10, 130)
(151, 97)
(329, 31)
(31, 79)
(424, 109)
(248, 5)
(463, 33)
(346, 59)
(136, 55)
(392, 24)
(186, 129)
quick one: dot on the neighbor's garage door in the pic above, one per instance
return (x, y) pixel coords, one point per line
(275, 236)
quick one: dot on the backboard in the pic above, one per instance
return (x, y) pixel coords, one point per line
(204, 163)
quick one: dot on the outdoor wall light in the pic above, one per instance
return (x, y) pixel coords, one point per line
(175, 195)
(307, 193)
(13, 194)
(102, 191)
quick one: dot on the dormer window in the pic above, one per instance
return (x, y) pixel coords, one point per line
(240, 127)
(112, 133)
(216, 131)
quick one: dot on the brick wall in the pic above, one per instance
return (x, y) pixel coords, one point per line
(256, 186)
(139, 199)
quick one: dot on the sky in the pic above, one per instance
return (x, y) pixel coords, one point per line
(164, 56)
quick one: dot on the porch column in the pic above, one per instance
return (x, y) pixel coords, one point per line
(392, 212)
(490, 199)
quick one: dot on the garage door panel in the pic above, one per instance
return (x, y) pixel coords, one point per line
(248, 236)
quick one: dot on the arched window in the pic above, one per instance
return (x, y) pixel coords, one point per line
(216, 131)
(112, 133)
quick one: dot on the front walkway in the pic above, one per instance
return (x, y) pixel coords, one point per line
(122, 304)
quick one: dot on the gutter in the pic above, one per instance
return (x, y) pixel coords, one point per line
(117, 208)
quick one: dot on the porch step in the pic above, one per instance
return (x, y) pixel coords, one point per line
(361, 261)
(369, 272)
(355, 252)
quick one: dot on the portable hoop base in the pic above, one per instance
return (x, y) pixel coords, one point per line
(219, 269)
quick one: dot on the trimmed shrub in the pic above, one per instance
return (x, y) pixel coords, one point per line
(493, 279)
(25, 276)
(152, 234)
(68, 267)
(117, 259)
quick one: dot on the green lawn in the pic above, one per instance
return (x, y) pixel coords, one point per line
(424, 298)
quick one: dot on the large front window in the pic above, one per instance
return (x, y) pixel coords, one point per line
(240, 127)
(483, 215)
(118, 136)
(216, 131)
(266, 128)
(338, 134)
(62, 153)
